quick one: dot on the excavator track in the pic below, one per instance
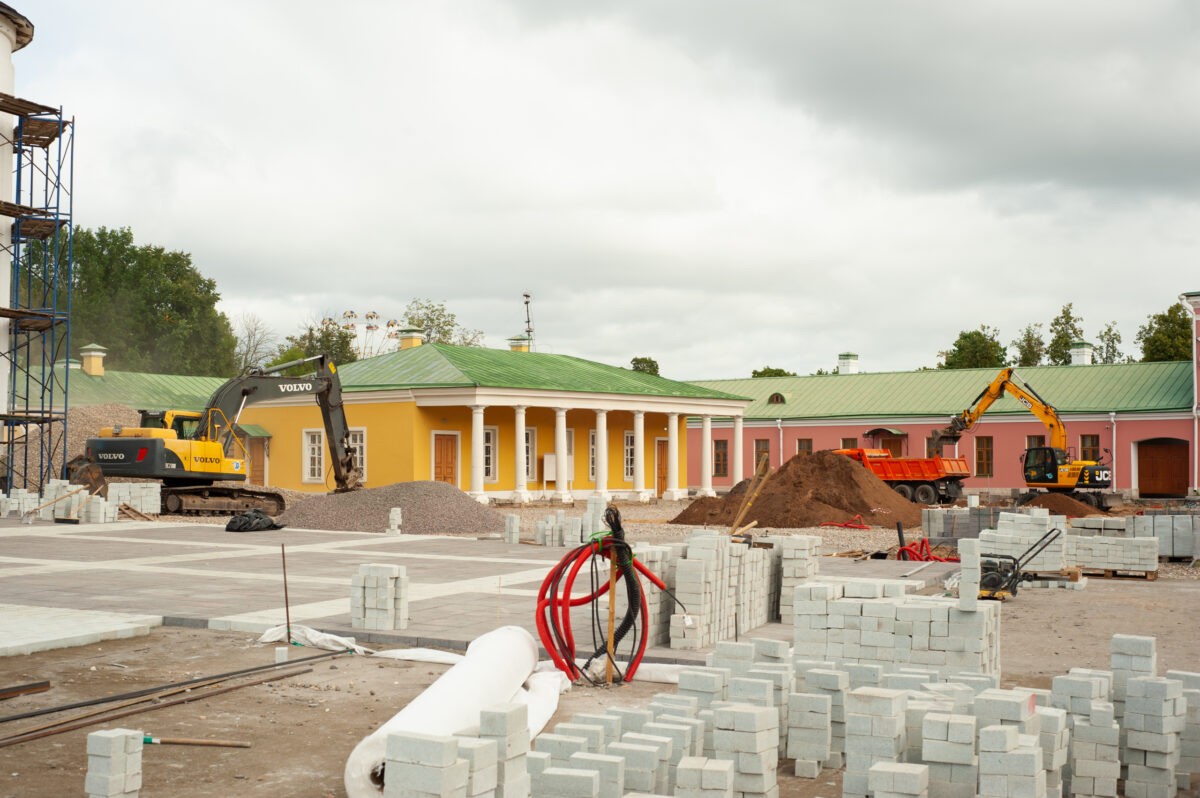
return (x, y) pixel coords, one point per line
(214, 500)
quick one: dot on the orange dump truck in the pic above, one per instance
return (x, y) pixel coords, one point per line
(924, 480)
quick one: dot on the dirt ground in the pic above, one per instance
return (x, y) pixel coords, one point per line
(302, 729)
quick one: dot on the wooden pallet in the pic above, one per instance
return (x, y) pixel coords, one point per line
(1067, 574)
(1108, 573)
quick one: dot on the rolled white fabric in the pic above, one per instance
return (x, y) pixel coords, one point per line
(492, 672)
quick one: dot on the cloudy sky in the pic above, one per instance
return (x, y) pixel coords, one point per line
(717, 185)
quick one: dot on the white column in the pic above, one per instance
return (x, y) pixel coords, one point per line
(706, 488)
(674, 492)
(562, 476)
(520, 465)
(601, 488)
(639, 456)
(738, 473)
(477, 454)
(8, 40)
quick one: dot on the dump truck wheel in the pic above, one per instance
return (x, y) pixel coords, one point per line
(925, 494)
(905, 491)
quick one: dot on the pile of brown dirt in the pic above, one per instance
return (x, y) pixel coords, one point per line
(1058, 504)
(810, 490)
(427, 508)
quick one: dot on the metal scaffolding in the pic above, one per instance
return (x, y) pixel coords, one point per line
(39, 302)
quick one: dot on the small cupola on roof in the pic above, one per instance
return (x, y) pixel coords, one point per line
(848, 363)
(92, 357)
(411, 337)
(1081, 353)
(519, 343)
(776, 399)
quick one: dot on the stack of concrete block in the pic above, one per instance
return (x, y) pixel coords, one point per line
(1133, 656)
(558, 782)
(1016, 708)
(114, 764)
(782, 683)
(956, 523)
(550, 532)
(610, 770)
(809, 732)
(1093, 526)
(423, 765)
(798, 562)
(20, 501)
(898, 780)
(1176, 533)
(706, 685)
(801, 665)
(395, 519)
(1112, 554)
(64, 506)
(1094, 765)
(684, 740)
(1017, 532)
(926, 631)
(968, 584)
(737, 658)
(592, 521)
(1189, 740)
(835, 685)
(702, 586)
(1155, 717)
(482, 769)
(508, 726)
(875, 732)
(948, 749)
(559, 747)
(1054, 737)
(659, 607)
(379, 598)
(594, 735)
(862, 675)
(749, 737)
(145, 497)
(654, 770)
(512, 528)
(700, 777)
(1010, 764)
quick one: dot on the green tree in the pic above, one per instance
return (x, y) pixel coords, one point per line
(313, 340)
(1065, 329)
(974, 349)
(646, 365)
(149, 306)
(1167, 335)
(1109, 350)
(440, 325)
(771, 371)
(1030, 346)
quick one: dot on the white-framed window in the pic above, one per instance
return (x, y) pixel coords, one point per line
(530, 454)
(570, 441)
(358, 440)
(629, 451)
(491, 454)
(592, 455)
(314, 455)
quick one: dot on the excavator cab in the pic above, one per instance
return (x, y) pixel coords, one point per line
(1041, 465)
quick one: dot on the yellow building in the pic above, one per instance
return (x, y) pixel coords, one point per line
(499, 424)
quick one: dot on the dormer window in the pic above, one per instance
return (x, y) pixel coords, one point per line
(776, 399)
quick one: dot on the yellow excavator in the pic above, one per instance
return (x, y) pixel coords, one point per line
(191, 452)
(1047, 468)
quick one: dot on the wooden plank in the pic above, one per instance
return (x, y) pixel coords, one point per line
(23, 689)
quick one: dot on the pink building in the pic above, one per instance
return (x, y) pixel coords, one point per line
(1141, 418)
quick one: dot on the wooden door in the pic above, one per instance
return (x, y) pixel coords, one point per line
(893, 444)
(660, 468)
(256, 461)
(445, 459)
(1163, 467)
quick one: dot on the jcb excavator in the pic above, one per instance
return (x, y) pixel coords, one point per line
(191, 451)
(1048, 468)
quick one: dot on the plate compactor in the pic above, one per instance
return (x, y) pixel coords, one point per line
(1000, 574)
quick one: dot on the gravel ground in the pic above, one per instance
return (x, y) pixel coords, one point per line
(428, 508)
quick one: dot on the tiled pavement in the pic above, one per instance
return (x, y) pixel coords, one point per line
(131, 575)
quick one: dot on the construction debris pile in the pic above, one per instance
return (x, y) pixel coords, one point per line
(429, 508)
(1059, 504)
(809, 490)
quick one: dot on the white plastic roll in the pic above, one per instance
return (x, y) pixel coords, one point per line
(494, 668)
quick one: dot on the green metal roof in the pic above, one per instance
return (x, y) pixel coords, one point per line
(444, 365)
(1122, 387)
(141, 391)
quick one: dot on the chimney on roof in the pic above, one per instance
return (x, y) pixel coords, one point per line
(519, 343)
(411, 337)
(92, 357)
(847, 363)
(1081, 353)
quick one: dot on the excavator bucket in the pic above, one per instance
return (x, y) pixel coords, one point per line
(82, 471)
